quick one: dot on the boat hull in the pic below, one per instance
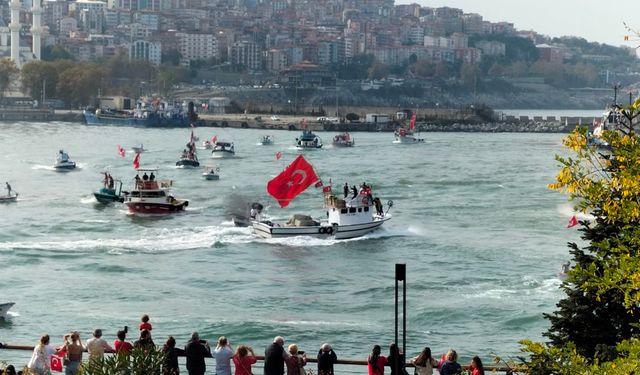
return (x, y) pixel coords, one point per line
(9, 199)
(65, 166)
(222, 154)
(151, 121)
(4, 309)
(154, 208)
(408, 140)
(187, 164)
(343, 144)
(107, 197)
(210, 176)
(269, 229)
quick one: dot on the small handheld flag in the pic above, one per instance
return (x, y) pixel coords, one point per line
(136, 161)
(214, 139)
(55, 363)
(120, 151)
(278, 155)
(572, 222)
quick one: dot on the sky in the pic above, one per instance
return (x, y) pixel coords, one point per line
(594, 20)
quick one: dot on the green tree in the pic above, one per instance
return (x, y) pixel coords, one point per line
(39, 75)
(9, 73)
(79, 84)
(596, 324)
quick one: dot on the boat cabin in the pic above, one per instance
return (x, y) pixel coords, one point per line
(351, 210)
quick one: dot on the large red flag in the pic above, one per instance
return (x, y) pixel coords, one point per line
(120, 151)
(55, 363)
(136, 161)
(412, 123)
(295, 179)
(572, 222)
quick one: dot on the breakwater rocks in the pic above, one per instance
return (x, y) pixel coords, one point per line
(500, 127)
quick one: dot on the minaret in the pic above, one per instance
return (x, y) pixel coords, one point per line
(36, 29)
(14, 26)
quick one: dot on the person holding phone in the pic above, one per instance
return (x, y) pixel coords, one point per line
(196, 351)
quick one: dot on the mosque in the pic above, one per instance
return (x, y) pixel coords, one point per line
(11, 47)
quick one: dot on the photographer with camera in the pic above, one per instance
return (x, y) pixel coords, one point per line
(196, 351)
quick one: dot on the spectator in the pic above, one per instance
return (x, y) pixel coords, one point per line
(295, 361)
(96, 346)
(376, 362)
(10, 370)
(120, 345)
(476, 366)
(145, 320)
(73, 348)
(424, 363)
(196, 351)
(274, 357)
(450, 366)
(144, 341)
(223, 354)
(326, 359)
(40, 360)
(243, 359)
(395, 358)
(171, 366)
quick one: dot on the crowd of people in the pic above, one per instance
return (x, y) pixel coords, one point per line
(277, 359)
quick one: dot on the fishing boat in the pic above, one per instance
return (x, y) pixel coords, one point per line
(4, 309)
(346, 218)
(151, 196)
(63, 163)
(266, 140)
(343, 140)
(308, 140)
(223, 150)
(211, 173)
(110, 192)
(148, 113)
(406, 136)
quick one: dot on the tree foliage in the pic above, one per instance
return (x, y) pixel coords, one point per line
(38, 76)
(596, 325)
(8, 73)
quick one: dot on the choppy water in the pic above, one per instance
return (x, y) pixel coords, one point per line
(482, 237)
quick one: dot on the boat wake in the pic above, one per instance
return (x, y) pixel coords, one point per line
(567, 211)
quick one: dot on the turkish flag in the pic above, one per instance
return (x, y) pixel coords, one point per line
(120, 151)
(295, 179)
(56, 363)
(572, 222)
(326, 189)
(214, 139)
(278, 155)
(412, 123)
(318, 184)
(136, 161)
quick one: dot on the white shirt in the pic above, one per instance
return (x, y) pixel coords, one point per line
(41, 358)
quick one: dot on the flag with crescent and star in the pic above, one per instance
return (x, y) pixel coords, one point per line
(295, 179)
(55, 363)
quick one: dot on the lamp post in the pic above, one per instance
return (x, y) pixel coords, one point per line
(401, 273)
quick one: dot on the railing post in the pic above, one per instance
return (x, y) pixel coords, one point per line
(401, 273)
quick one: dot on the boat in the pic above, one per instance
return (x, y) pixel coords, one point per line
(138, 149)
(148, 113)
(189, 157)
(346, 218)
(211, 173)
(110, 192)
(308, 140)
(223, 150)
(9, 198)
(245, 217)
(266, 140)
(151, 196)
(406, 136)
(63, 163)
(343, 140)
(4, 309)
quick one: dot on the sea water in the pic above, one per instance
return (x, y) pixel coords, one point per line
(482, 236)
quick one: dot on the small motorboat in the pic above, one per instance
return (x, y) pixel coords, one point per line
(63, 163)
(308, 140)
(151, 196)
(138, 149)
(246, 218)
(110, 192)
(343, 140)
(406, 136)
(188, 163)
(211, 173)
(266, 140)
(4, 309)
(13, 197)
(223, 150)
(189, 157)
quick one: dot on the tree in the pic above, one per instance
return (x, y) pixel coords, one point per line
(37, 75)
(597, 320)
(77, 85)
(9, 73)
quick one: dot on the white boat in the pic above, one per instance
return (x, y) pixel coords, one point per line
(223, 150)
(63, 163)
(211, 173)
(4, 309)
(151, 196)
(350, 218)
(308, 140)
(343, 140)
(266, 140)
(406, 136)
